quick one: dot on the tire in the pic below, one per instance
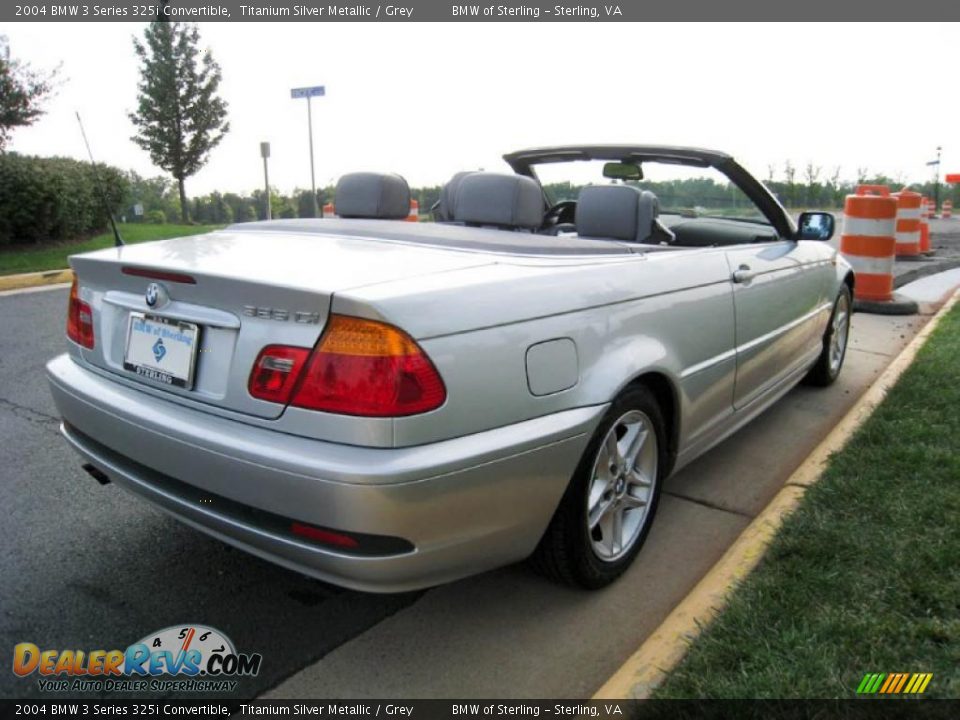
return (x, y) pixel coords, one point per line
(835, 339)
(604, 488)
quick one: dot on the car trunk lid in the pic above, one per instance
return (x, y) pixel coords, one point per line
(188, 317)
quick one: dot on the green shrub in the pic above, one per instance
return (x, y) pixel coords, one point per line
(156, 217)
(48, 199)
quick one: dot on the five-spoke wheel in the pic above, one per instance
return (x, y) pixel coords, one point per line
(608, 508)
(621, 485)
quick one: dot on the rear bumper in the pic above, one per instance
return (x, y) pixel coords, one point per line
(466, 505)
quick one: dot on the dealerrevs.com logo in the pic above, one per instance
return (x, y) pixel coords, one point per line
(181, 658)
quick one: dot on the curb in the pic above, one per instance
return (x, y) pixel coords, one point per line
(924, 270)
(26, 280)
(666, 646)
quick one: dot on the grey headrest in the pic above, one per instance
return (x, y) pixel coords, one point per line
(372, 195)
(448, 194)
(512, 201)
(620, 212)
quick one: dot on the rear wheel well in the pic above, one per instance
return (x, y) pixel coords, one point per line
(849, 280)
(666, 396)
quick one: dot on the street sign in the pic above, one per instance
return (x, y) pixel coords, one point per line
(316, 91)
(953, 178)
(264, 150)
(310, 92)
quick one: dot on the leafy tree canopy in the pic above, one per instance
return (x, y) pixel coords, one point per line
(22, 93)
(179, 118)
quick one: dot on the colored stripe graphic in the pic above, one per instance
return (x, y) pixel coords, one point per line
(894, 683)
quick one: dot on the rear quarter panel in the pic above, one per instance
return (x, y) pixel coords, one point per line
(664, 312)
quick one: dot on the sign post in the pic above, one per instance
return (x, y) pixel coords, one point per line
(936, 180)
(265, 153)
(308, 93)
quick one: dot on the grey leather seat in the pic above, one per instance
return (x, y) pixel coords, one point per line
(443, 209)
(620, 212)
(372, 195)
(498, 200)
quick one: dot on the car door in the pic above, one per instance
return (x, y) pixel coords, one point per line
(778, 299)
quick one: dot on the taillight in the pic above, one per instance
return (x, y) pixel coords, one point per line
(275, 372)
(365, 367)
(79, 319)
(360, 367)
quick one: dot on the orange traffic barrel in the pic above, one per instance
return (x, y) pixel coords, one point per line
(414, 215)
(908, 223)
(868, 240)
(925, 237)
(947, 211)
(328, 211)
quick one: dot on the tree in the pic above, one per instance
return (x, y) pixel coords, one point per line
(812, 175)
(22, 93)
(790, 173)
(179, 117)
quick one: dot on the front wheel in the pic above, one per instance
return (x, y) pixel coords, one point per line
(827, 368)
(608, 508)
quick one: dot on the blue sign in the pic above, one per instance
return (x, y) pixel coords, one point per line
(316, 91)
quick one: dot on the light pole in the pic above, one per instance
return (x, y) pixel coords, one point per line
(308, 93)
(265, 153)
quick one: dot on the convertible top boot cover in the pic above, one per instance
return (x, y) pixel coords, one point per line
(372, 195)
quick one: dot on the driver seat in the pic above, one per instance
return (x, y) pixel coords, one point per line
(621, 212)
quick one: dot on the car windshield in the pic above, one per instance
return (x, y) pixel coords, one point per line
(681, 189)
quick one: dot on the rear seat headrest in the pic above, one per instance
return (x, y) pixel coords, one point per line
(513, 201)
(372, 195)
(448, 193)
(620, 212)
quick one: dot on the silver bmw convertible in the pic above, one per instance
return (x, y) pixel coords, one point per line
(388, 405)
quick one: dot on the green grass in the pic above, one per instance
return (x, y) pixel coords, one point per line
(865, 575)
(54, 257)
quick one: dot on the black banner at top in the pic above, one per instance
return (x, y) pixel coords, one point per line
(483, 11)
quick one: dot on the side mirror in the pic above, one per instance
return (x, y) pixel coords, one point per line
(816, 226)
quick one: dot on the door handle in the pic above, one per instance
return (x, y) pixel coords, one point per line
(743, 274)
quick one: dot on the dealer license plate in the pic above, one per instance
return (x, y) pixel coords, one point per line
(162, 349)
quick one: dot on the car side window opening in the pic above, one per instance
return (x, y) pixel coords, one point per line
(699, 207)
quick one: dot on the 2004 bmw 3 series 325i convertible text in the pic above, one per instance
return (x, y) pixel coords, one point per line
(389, 405)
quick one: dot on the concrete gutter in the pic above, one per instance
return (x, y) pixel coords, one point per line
(663, 650)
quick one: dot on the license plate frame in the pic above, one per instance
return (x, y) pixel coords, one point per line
(162, 328)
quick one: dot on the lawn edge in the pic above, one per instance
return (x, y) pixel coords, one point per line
(666, 646)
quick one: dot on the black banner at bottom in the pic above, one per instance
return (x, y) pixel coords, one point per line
(868, 709)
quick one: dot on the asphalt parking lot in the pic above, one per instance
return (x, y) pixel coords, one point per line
(91, 567)
(86, 566)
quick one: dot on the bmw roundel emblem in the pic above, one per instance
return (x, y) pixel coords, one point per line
(155, 295)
